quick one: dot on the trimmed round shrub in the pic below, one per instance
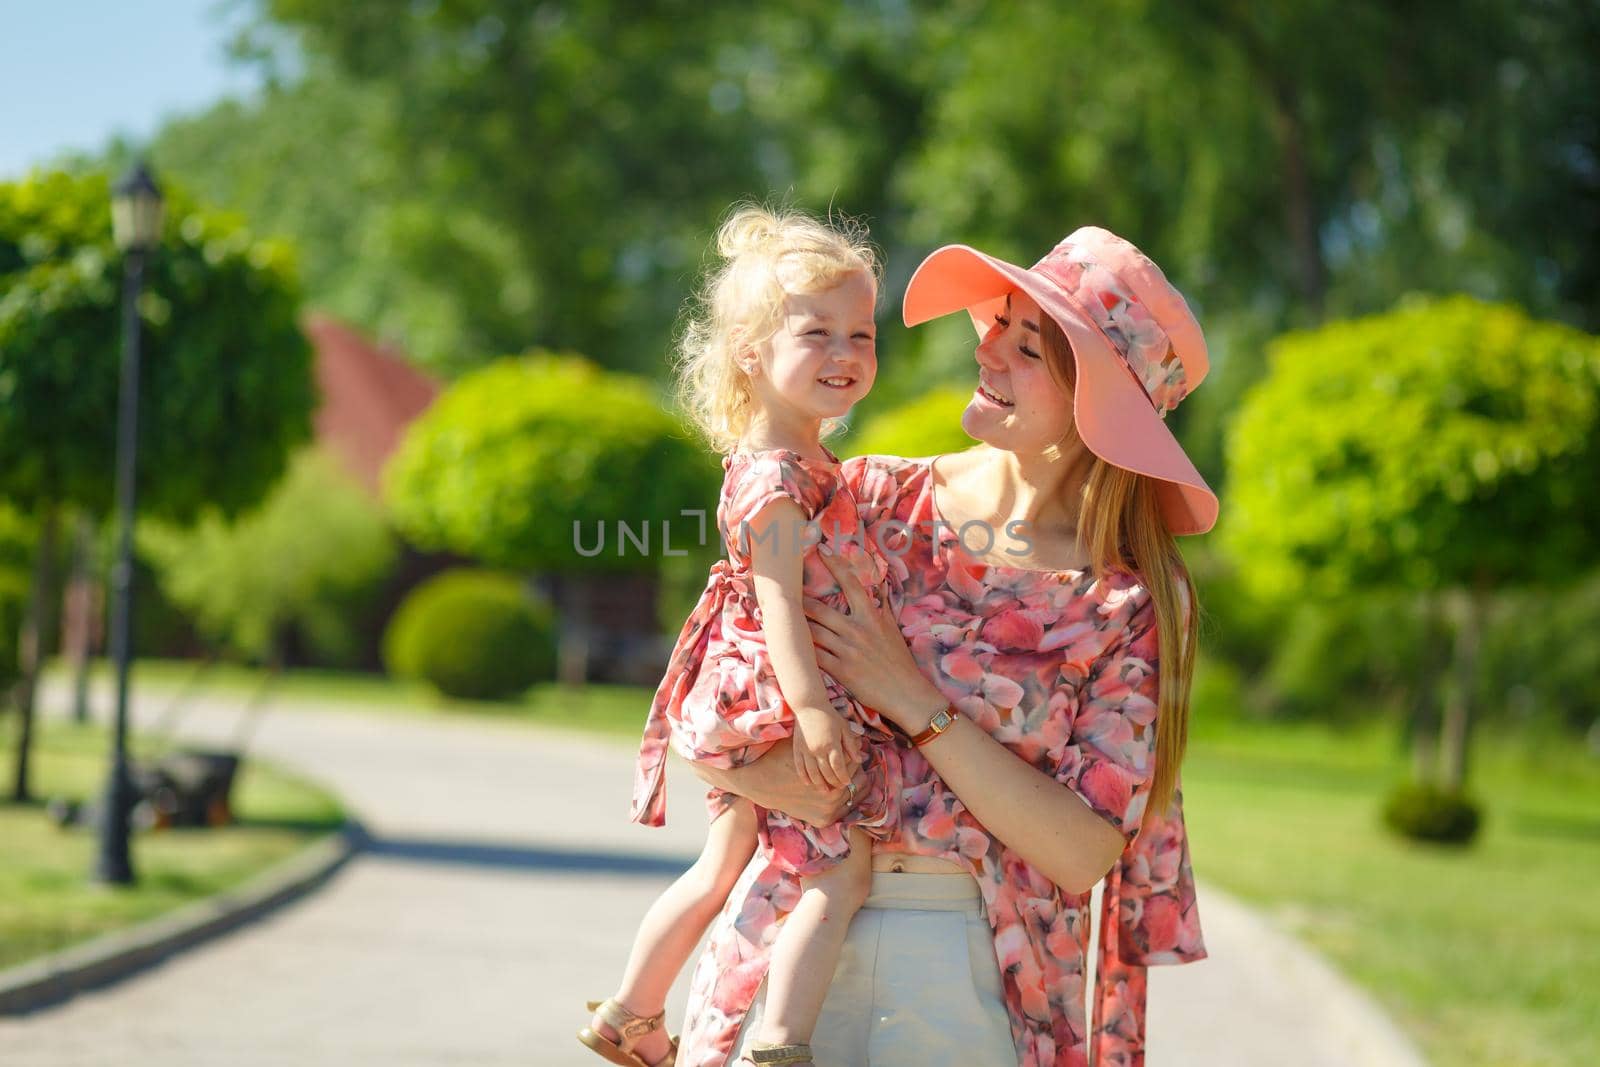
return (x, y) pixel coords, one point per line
(1447, 443)
(477, 635)
(516, 457)
(1426, 812)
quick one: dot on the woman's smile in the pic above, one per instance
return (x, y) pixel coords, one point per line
(1017, 405)
(987, 393)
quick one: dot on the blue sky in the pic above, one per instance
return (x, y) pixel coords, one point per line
(75, 72)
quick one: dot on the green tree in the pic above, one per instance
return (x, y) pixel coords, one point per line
(582, 142)
(484, 176)
(17, 539)
(1277, 162)
(1280, 162)
(226, 387)
(415, 185)
(530, 464)
(309, 162)
(1449, 447)
(1285, 157)
(296, 560)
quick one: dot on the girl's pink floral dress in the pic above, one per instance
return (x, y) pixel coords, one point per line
(719, 701)
(1061, 668)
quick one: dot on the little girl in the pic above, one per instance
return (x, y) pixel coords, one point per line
(783, 345)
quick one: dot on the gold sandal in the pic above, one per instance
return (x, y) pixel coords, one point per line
(760, 1053)
(630, 1028)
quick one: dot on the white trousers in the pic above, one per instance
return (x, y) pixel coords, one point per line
(917, 982)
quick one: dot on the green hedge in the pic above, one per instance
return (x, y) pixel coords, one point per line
(477, 635)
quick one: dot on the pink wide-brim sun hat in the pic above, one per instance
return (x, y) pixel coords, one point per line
(1136, 344)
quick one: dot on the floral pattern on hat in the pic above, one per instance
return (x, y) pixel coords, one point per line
(1138, 339)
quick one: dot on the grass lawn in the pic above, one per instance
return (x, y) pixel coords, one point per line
(1488, 957)
(47, 900)
(1485, 956)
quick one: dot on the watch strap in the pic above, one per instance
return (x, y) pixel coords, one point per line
(941, 722)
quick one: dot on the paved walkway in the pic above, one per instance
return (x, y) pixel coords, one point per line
(503, 889)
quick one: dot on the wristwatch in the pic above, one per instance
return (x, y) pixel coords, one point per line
(937, 725)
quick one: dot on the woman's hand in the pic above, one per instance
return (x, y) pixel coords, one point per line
(867, 654)
(773, 783)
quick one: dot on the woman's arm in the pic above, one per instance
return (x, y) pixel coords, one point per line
(1033, 814)
(772, 782)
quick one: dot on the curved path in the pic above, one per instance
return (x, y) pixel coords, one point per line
(502, 889)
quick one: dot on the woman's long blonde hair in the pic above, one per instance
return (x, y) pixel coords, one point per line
(762, 255)
(1120, 525)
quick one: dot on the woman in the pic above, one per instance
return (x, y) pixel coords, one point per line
(1037, 654)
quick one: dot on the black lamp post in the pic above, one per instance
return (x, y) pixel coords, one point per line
(136, 221)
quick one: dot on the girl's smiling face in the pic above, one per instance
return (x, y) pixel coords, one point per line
(1017, 405)
(822, 358)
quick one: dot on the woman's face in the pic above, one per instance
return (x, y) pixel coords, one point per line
(1017, 405)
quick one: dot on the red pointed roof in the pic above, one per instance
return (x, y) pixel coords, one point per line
(370, 393)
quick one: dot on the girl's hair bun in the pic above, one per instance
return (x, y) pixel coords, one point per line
(749, 230)
(762, 254)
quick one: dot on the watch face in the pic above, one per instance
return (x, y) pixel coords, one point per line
(941, 720)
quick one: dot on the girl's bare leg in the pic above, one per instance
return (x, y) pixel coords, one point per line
(678, 919)
(807, 951)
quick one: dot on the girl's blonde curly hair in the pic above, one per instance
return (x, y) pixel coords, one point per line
(762, 255)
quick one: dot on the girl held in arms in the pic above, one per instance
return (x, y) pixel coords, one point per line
(782, 346)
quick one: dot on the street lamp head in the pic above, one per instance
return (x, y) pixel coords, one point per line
(136, 210)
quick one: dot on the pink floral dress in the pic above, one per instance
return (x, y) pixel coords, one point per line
(720, 702)
(1062, 669)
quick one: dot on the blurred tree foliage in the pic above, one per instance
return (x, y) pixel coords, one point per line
(534, 463)
(377, 246)
(302, 558)
(1448, 448)
(226, 385)
(494, 174)
(1545, 648)
(17, 540)
(1377, 449)
(513, 455)
(473, 177)
(1379, 655)
(927, 426)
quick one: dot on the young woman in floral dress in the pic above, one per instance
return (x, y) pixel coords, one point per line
(1037, 646)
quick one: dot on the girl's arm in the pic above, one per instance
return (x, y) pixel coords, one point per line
(1033, 814)
(824, 747)
(772, 782)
